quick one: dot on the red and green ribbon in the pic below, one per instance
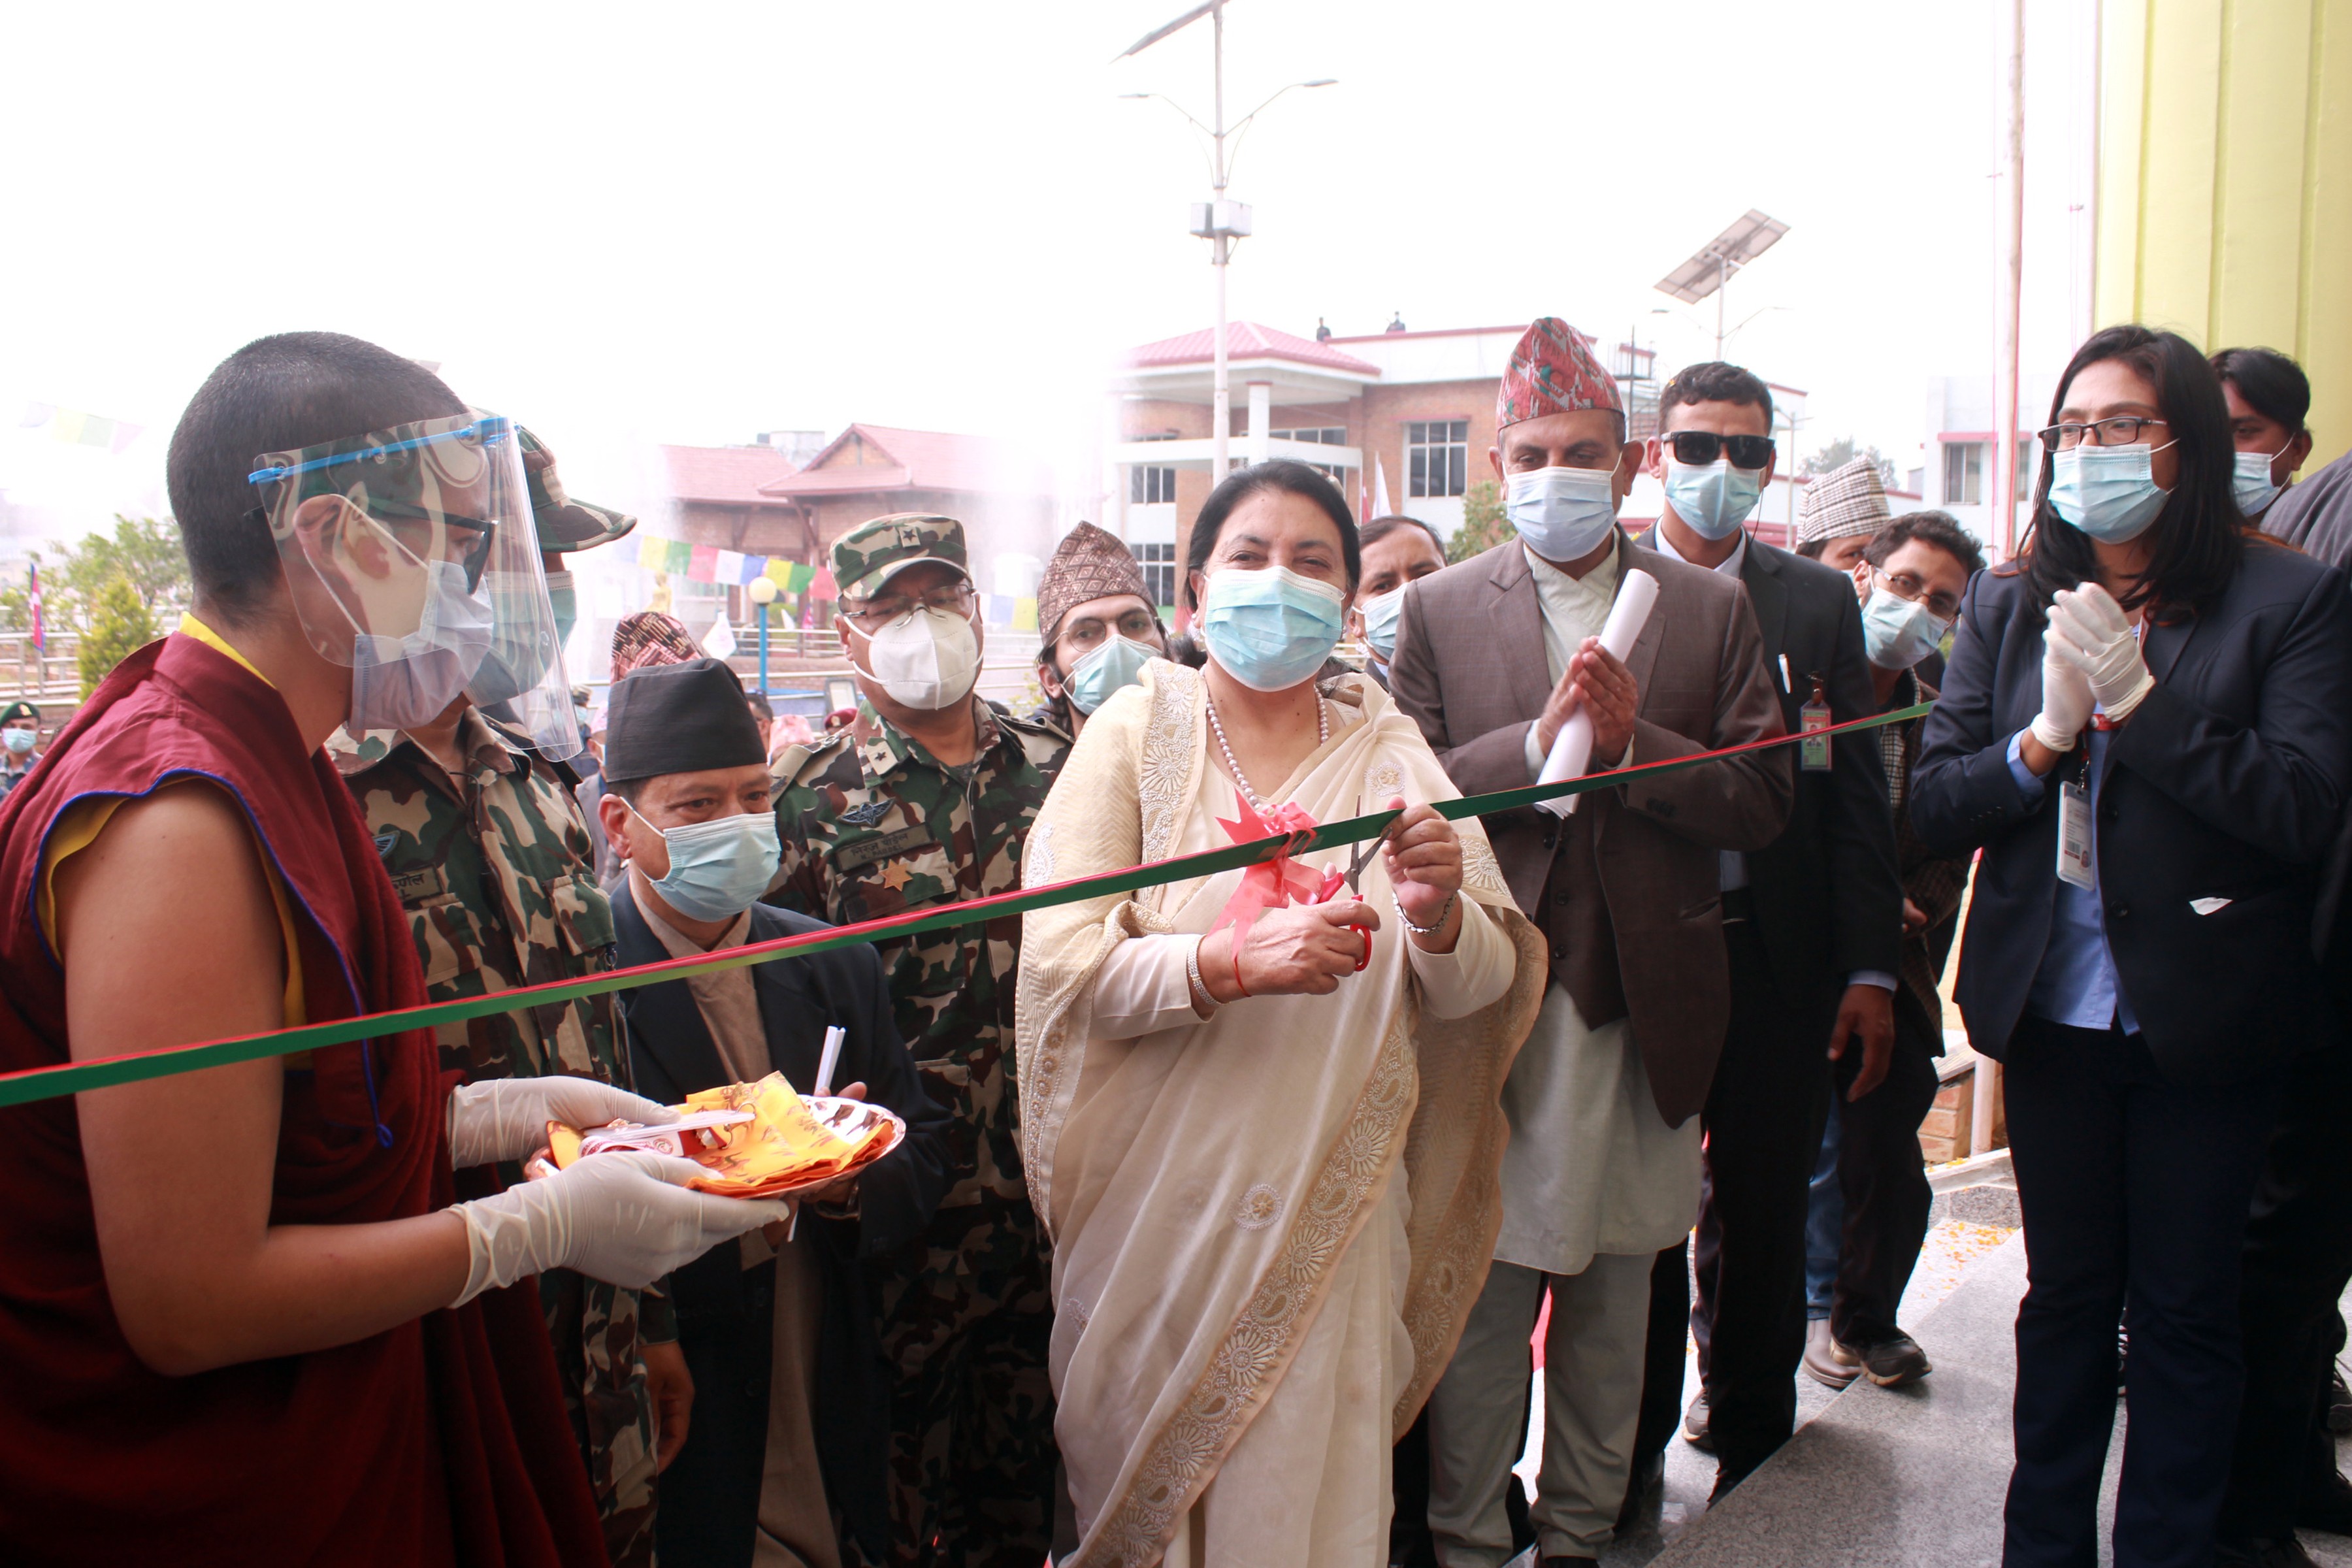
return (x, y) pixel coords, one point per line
(31, 1084)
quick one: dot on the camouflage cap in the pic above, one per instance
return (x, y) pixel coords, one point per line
(15, 711)
(565, 524)
(876, 551)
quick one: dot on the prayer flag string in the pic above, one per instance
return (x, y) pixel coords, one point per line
(32, 1084)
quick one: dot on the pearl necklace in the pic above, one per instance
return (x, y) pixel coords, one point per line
(1241, 781)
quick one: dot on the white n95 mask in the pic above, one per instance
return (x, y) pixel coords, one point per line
(926, 659)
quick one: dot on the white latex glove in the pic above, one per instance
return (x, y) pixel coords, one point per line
(625, 1218)
(2066, 698)
(507, 1118)
(2094, 638)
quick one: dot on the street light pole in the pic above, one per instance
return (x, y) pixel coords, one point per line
(1222, 400)
(1220, 223)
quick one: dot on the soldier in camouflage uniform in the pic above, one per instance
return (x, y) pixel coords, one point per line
(492, 862)
(926, 800)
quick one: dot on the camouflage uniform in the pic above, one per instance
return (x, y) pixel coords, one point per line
(499, 892)
(872, 825)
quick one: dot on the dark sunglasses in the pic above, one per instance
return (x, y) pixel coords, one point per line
(1699, 448)
(474, 559)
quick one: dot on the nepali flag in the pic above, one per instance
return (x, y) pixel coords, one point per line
(40, 636)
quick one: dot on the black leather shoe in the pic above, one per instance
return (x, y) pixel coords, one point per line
(2285, 1554)
(2328, 1507)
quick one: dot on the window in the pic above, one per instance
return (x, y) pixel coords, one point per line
(1159, 564)
(1437, 457)
(1150, 487)
(1964, 473)
(1320, 436)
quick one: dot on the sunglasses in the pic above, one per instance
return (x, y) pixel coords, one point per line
(403, 521)
(1696, 448)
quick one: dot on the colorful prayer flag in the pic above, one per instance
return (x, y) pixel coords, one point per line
(801, 575)
(81, 430)
(822, 585)
(702, 564)
(1024, 615)
(729, 567)
(996, 609)
(719, 642)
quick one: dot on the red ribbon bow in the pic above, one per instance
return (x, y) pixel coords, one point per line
(1277, 883)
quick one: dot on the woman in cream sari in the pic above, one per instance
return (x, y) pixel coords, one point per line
(1268, 1165)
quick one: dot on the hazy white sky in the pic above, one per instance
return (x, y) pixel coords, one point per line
(689, 222)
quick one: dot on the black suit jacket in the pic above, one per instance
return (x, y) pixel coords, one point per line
(1827, 898)
(710, 1496)
(2227, 782)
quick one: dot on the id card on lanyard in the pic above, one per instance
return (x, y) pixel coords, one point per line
(1813, 750)
(2074, 823)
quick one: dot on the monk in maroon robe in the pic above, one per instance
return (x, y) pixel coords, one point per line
(226, 1322)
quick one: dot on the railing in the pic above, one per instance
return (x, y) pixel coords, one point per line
(36, 675)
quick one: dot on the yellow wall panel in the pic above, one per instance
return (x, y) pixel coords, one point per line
(2225, 181)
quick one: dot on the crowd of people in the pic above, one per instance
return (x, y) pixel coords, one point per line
(1227, 1208)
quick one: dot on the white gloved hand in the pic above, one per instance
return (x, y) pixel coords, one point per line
(626, 1219)
(2094, 638)
(2066, 698)
(507, 1118)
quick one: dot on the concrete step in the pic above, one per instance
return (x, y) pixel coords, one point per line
(1895, 1477)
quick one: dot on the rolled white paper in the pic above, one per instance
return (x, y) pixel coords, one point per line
(1571, 749)
(824, 1065)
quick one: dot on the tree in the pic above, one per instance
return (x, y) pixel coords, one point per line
(1840, 451)
(1484, 524)
(143, 551)
(119, 626)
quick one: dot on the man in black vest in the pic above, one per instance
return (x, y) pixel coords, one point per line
(1813, 923)
(791, 1430)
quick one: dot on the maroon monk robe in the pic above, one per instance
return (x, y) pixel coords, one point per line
(441, 1441)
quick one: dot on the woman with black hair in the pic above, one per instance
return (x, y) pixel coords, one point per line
(2268, 398)
(1230, 1084)
(2144, 728)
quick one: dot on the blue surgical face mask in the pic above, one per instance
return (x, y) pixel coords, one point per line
(1563, 514)
(2251, 482)
(1270, 628)
(18, 741)
(1381, 613)
(564, 600)
(1713, 497)
(2108, 492)
(398, 683)
(718, 869)
(1114, 662)
(1897, 634)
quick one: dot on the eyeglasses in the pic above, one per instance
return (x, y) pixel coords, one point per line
(2121, 431)
(1910, 589)
(1696, 448)
(412, 526)
(1136, 626)
(872, 614)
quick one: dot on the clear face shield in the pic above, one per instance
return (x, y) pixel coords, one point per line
(414, 562)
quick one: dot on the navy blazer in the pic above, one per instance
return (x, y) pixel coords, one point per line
(710, 1496)
(2226, 783)
(1827, 896)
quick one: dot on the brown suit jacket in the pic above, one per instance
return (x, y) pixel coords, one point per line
(1628, 890)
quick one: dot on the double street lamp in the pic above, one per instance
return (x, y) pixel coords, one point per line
(1217, 220)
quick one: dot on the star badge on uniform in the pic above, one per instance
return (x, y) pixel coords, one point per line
(895, 876)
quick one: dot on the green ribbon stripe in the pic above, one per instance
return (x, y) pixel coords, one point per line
(32, 1084)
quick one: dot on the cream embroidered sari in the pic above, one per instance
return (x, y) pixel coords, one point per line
(1212, 1187)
